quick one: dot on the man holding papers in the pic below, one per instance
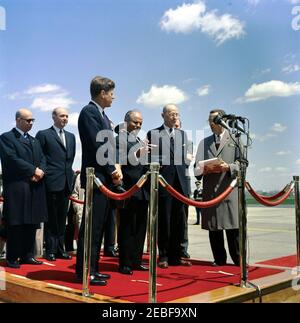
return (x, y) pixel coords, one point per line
(216, 161)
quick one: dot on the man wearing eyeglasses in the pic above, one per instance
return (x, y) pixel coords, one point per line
(59, 149)
(23, 167)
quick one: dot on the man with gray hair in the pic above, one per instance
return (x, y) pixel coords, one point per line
(24, 208)
(58, 146)
(170, 151)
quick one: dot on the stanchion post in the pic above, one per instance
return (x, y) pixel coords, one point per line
(153, 213)
(242, 209)
(88, 231)
(297, 214)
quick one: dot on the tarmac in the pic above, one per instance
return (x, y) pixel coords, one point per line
(271, 234)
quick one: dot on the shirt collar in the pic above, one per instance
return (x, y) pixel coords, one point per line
(101, 110)
(20, 131)
(221, 135)
(57, 129)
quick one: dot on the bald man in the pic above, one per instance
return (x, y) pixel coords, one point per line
(170, 150)
(58, 146)
(23, 167)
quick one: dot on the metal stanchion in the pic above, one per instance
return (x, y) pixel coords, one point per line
(243, 232)
(88, 231)
(153, 213)
(297, 213)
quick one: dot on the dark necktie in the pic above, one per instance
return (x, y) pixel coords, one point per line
(106, 120)
(61, 136)
(218, 140)
(26, 137)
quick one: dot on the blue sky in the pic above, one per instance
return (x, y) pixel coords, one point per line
(240, 55)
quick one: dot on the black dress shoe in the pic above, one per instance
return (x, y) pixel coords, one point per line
(31, 261)
(50, 257)
(13, 264)
(141, 267)
(219, 263)
(95, 281)
(63, 255)
(185, 254)
(125, 270)
(102, 276)
(111, 253)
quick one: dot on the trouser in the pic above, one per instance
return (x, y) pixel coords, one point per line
(216, 239)
(20, 241)
(100, 212)
(132, 232)
(57, 203)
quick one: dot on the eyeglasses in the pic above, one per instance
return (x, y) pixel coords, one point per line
(28, 120)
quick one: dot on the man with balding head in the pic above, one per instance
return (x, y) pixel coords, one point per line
(23, 167)
(58, 146)
(170, 150)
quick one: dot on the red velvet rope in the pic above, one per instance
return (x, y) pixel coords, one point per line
(203, 205)
(268, 198)
(71, 198)
(266, 202)
(119, 196)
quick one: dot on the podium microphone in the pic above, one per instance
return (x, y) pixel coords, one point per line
(218, 120)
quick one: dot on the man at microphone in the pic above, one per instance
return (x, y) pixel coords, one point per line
(216, 180)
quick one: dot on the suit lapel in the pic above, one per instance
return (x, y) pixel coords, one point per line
(223, 142)
(56, 137)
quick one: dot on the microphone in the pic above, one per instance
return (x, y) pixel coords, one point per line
(233, 117)
(234, 124)
(218, 120)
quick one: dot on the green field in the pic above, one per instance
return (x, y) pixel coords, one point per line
(252, 201)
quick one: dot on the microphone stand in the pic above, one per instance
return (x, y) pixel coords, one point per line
(242, 205)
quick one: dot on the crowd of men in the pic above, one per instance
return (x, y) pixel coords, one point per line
(38, 179)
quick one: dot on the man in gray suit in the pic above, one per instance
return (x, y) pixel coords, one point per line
(216, 180)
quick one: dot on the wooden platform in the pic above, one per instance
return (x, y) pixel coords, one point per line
(275, 288)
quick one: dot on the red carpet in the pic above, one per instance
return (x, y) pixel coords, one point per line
(288, 261)
(173, 283)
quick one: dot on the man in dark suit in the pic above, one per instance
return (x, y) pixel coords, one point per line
(58, 146)
(23, 166)
(216, 180)
(170, 151)
(133, 217)
(98, 148)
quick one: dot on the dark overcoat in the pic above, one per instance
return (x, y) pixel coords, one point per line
(24, 200)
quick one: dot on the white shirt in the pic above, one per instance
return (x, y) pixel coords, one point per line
(101, 110)
(60, 135)
(171, 134)
(20, 131)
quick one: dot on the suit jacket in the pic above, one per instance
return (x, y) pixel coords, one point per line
(59, 159)
(173, 161)
(132, 168)
(225, 214)
(98, 146)
(24, 200)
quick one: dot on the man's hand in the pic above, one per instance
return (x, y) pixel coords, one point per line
(38, 175)
(222, 168)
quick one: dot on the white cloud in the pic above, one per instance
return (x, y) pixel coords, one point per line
(42, 89)
(283, 153)
(281, 169)
(160, 96)
(204, 90)
(265, 170)
(253, 2)
(263, 138)
(278, 127)
(291, 68)
(194, 17)
(44, 97)
(73, 119)
(294, 1)
(49, 102)
(266, 90)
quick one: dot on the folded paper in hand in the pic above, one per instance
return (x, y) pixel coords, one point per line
(211, 162)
